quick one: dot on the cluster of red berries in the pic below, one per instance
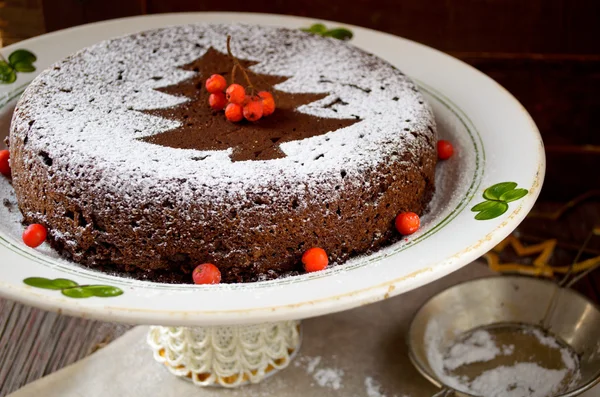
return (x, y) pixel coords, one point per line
(236, 103)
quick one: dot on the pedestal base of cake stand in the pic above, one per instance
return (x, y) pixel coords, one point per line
(227, 356)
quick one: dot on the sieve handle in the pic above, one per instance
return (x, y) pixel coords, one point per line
(445, 392)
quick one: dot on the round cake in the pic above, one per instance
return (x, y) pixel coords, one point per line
(116, 151)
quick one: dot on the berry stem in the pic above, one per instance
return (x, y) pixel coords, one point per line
(239, 65)
(233, 73)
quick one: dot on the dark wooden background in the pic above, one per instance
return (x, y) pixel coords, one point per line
(545, 52)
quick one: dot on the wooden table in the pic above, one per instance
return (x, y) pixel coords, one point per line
(34, 343)
(545, 52)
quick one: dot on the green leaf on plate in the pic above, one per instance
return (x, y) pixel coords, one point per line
(484, 205)
(77, 292)
(7, 73)
(42, 282)
(21, 56)
(5, 67)
(73, 290)
(339, 33)
(494, 192)
(513, 195)
(64, 283)
(103, 291)
(24, 67)
(492, 212)
(317, 28)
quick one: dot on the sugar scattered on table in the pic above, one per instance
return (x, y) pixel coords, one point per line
(374, 389)
(312, 364)
(329, 377)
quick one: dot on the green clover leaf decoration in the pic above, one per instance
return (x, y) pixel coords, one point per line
(337, 33)
(497, 198)
(72, 289)
(18, 61)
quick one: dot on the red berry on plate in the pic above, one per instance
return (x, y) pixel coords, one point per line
(315, 259)
(217, 101)
(206, 273)
(407, 223)
(216, 83)
(236, 94)
(34, 235)
(234, 112)
(4, 166)
(268, 103)
(444, 149)
(253, 110)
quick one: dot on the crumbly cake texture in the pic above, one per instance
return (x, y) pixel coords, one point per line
(115, 202)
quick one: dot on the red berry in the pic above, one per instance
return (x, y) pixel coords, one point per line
(236, 94)
(444, 149)
(315, 259)
(216, 83)
(4, 166)
(234, 112)
(217, 101)
(206, 273)
(268, 103)
(253, 110)
(34, 235)
(407, 223)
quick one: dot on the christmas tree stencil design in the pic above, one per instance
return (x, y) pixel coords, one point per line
(204, 129)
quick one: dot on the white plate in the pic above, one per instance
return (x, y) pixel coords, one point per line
(496, 141)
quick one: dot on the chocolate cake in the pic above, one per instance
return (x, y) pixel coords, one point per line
(117, 153)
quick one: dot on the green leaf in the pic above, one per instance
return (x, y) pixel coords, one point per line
(317, 28)
(5, 67)
(339, 33)
(103, 291)
(19, 56)
(7, 73)
(484, 205)
(493, 211)
(41, 282)
(46, 283)
(77, 292)
(24, 67)
(513, 195)
(64, 283)
(494, 192)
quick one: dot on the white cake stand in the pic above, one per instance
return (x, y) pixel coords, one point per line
(234, 334)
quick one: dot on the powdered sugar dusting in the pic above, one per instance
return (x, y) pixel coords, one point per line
(545, 340)
(480, 346)
(373, 389)
(84, 112)
(323, 376)
(522, 379)
(329, 377)
(517, 379)
(312, 364)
